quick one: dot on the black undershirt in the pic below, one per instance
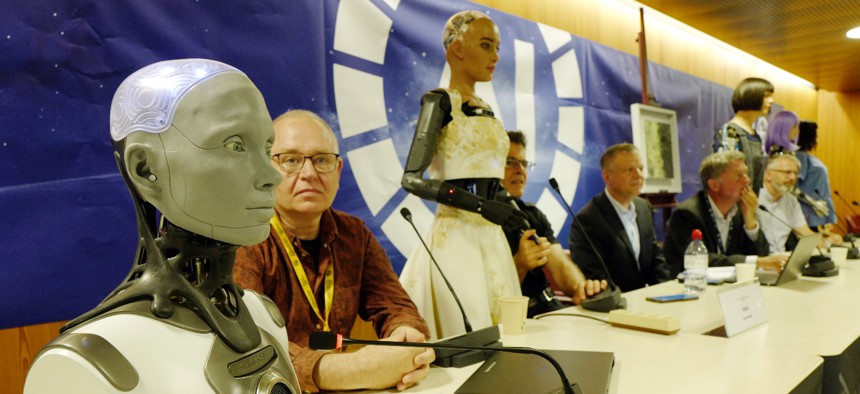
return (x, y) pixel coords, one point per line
(312, 246)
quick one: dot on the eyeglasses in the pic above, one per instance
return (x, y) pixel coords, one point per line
(785, 172)
(514, 163)
(292, 163)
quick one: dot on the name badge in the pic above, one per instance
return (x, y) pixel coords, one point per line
(742, 305)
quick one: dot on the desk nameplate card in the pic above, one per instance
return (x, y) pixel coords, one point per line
(743, 306)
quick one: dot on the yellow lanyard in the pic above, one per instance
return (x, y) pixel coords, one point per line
(303, 279)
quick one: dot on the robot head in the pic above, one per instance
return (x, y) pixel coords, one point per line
(458, 24)
(194, 137)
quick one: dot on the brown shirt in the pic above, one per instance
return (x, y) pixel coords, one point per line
(364, 285)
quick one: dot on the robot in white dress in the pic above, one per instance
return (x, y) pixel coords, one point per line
(465, 148)
(192, 140)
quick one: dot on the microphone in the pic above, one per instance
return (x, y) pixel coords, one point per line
(784, 222)
(507, 196)
(836, 192)
(326, 340)
(610, 298)
(781, 220)
(484, 337)
(847, 221)
(818, 206)
(408, 216)
(853, 251)
(848, 237)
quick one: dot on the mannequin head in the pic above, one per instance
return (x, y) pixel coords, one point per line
(471, 40)
(753, 95)
(195, 137)
(807, 135)
(782, 131)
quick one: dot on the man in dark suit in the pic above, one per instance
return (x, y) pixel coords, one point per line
(621, 226)
(537, 247)
(725, 212)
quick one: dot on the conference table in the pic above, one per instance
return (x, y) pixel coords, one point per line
(655, 363)
(816, 316)
(809, 343)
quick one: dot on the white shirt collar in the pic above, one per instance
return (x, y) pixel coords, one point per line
(622, 210)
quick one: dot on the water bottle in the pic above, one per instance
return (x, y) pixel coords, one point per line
(695, 265)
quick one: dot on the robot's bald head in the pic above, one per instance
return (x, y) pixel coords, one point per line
(194, 137)
(147, 100)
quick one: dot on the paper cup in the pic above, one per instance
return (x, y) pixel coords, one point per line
(744, 271)
(838, 255)
(514, 310)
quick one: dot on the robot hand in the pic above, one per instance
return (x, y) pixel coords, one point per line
(820, 207)
(504, 214)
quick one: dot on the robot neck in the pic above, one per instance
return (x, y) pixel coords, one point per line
(181, 269)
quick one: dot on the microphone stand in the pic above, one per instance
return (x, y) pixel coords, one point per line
(454, 354)
(853, 251)
(610, 298)
(853, 212)
(836, 192)
(326, 340)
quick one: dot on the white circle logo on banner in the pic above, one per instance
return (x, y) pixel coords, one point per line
(379, 74)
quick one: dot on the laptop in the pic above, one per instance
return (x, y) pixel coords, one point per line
(528, 373)
(799, 257)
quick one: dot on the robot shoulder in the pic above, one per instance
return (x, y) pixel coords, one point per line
(81, 362)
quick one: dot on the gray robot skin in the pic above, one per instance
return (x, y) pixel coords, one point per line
(192, 140)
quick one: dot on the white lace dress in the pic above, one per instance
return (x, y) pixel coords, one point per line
(472, 251)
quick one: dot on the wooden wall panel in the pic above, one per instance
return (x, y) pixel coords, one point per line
(615, 26)
(839, 145)
(18, 347)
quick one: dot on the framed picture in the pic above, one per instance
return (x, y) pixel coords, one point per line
(655, 133)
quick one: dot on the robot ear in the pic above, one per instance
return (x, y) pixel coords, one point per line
(456, 49)
(142, 162)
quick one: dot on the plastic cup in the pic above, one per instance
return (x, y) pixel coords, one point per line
(514, 310)
(744, 271)
(838, 255)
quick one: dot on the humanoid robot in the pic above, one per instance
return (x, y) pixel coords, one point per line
(192, 140)
(464, 146)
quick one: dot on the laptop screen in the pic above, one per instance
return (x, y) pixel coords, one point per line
(799, 257)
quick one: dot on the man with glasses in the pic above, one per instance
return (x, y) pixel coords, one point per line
(783, 209)
(725, 211)
(323, 268)
(620, 225)
(537, 248)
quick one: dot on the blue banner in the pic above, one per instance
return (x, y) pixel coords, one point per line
(68, 220)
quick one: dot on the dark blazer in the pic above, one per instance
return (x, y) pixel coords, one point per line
(693, 214)
(605, 230)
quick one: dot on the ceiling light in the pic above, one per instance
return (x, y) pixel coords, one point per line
(853, 33)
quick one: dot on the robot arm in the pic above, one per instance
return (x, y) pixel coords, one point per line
(435, 110)
(435, 107)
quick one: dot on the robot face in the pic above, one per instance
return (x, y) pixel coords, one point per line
(212, 166)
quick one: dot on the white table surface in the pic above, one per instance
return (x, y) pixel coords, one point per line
(806, 318)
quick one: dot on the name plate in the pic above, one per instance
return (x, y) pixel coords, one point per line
(742, 305)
